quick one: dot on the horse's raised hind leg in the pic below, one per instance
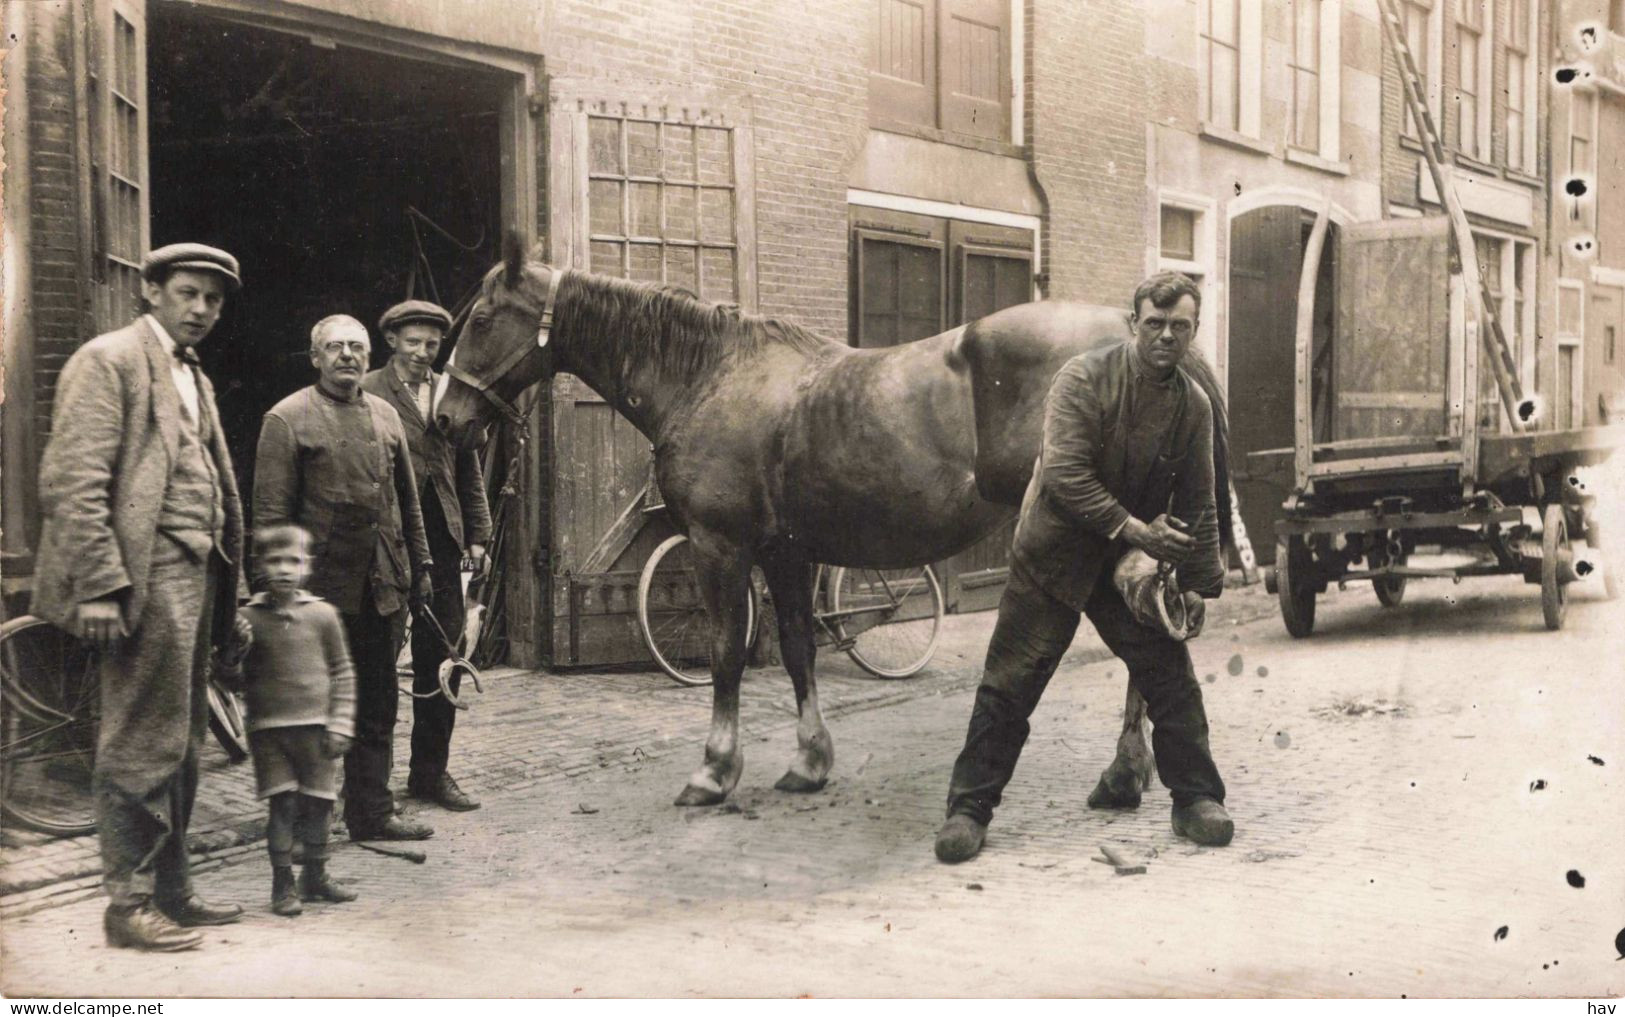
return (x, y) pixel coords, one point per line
(1129, 774)
(722, 573)
(790, 579)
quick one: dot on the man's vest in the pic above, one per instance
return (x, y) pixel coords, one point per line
(191, 513)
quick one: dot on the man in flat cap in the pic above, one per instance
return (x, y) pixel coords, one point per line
(451, 489)
(139, 555)
(334, 459)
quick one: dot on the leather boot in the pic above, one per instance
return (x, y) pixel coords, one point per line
(143, 927)
(442, 790)
(316, 884)
(195, 911)
(393, 828)
(1205, 821)
(284, 897)
(960, 839)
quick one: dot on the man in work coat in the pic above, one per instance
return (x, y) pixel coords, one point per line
(1125, 431)
(139, 554)
(334, 459)
(451, 490)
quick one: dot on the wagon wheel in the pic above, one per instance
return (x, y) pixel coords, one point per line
(1293, 564)
(1555, 553)
(1390, 589)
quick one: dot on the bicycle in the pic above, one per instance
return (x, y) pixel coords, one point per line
(887, 620)
(49, 704)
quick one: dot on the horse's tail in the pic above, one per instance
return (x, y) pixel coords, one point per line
(1196, 365)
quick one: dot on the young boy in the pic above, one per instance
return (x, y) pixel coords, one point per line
(300, 689)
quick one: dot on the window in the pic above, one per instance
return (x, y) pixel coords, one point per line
(1472, 79)
(1221, 42)
(1570, 333)
(1418, 16)
(942, 64)
(918, 275)
(1568, 393)
(1507, 266)
(119, 120)
(1582, 120)
(1178, 233)
(661, 204)
(1305, 68)
(1521, 86)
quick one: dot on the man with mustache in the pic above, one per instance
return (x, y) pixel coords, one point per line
(457, 520)
(139, 555)
(334, 459)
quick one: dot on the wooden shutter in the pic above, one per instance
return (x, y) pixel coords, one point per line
(659, 189)
(903, 62)
(899, 285)
(119, 158)
(975, 62)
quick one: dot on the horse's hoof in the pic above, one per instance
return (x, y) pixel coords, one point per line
(693, 795)
(793, 781)
(1104, 796)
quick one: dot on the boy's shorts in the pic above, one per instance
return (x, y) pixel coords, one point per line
(291, 759)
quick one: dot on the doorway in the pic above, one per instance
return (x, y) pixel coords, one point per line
(1266, 260)
(343, 179)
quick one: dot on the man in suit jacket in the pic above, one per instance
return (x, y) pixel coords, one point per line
(451, 491)
(1126, 433)
(139, 554)
(334, 460)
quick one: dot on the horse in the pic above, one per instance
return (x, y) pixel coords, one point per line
(780, 449)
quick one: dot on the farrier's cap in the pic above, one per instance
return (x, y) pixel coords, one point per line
(410, 311)
(195, 258)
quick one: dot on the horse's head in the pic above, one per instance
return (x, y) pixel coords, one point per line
(499, 344)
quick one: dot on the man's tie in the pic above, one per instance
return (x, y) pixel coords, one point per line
(186, 355)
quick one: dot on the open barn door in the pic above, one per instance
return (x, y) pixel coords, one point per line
(658, 189)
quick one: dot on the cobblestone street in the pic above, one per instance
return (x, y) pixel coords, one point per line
(1416, 792)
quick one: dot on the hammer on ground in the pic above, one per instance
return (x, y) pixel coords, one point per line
(1122, 866)
(415, 857)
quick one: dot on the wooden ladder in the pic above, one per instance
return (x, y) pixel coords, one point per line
(1466, 257)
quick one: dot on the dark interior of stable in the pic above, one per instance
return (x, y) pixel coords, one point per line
(344, 180)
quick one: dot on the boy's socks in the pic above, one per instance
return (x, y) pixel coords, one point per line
(284, 897)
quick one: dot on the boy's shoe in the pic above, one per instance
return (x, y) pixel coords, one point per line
(284, 896)
(315, 884)
(393, 828)
(143, 927)
(1205, 821)
(442, 790)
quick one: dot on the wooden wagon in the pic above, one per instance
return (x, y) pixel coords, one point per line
(1398, 444)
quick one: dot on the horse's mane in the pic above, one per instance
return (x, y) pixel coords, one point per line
(670, 327)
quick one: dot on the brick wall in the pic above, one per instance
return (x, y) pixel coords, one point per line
(59, 305)
(1086, 121)
(804, 67)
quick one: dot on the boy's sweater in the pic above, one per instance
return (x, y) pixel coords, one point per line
(298, 669)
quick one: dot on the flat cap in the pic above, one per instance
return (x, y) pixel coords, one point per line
(194, 258)
(411, 311)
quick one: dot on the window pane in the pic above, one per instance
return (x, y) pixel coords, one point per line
(678, 151)
(681, 213)
(1306, 110)
(644, 210)
(1223, 109)
(1223, 19)
(716, 156)
(642, 149)
(645, 263)
(718, 280)
(1307, 38)
(606, 258)
(604, 145)
(716, 215)
(1565, 387)
(1178, 233)
(604, 207)
(1568, 311)
(682, 268)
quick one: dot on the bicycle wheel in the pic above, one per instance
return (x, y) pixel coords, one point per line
(49, 688)
(672, 617)
(226, 721)
(887, 620)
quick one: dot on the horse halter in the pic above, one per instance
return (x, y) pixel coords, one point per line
(544, 326)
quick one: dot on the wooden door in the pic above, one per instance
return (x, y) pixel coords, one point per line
(1266, 256)
(657, 189)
